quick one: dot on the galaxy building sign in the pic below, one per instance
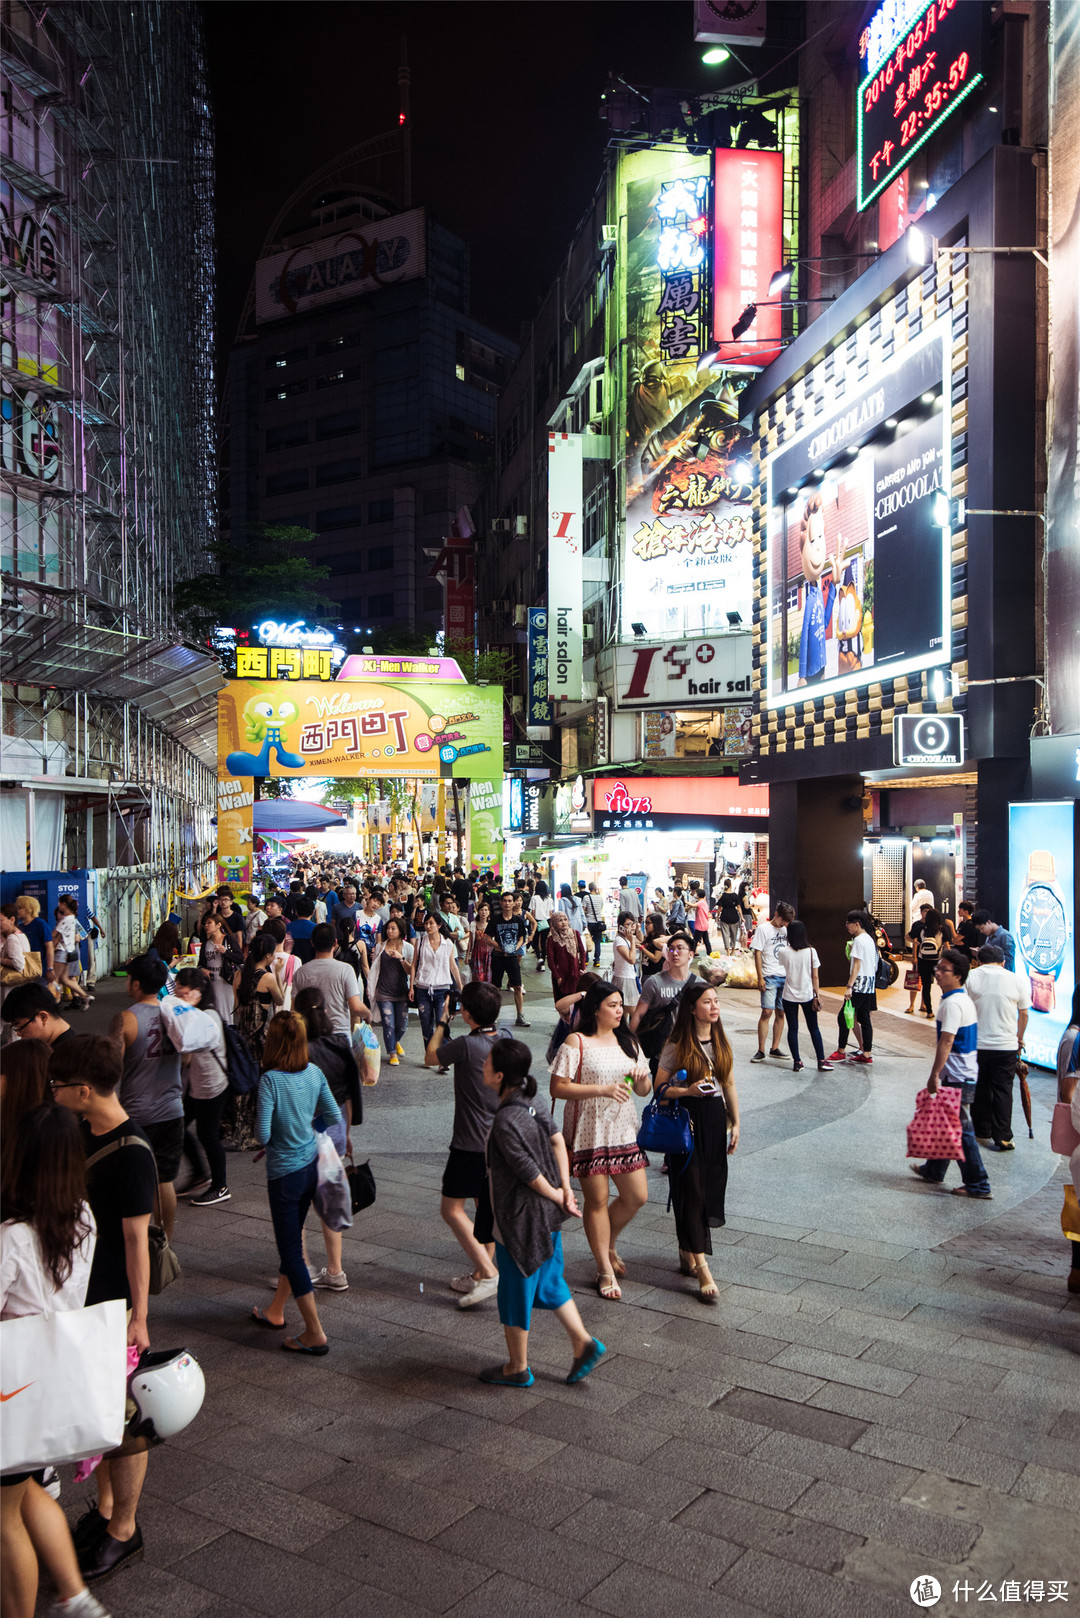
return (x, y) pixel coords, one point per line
(687, 558)
(364, 258)
(858, 568)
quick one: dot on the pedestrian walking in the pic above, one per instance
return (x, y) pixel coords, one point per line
(508, 933)
(624, 971)
(571, 907)
(206, 1091)
(730, 918)
(955, 1066)
(930, 939)
(334, 1054)
(593, 909)
(567, 956)
(1002, 1003)
(699, 1050)
(802, 993)
(652, 945)
(531, 1195)
(862, 973)
(768, 937)
(702, 918)
(540, 907)
(388, 986)
(629, 899)
(597, 1071)
(481, 944)
(993, 933)
(292, 1090)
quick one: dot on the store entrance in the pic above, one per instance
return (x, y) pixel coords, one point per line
(935, 863)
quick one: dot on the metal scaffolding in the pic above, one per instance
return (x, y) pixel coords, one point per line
(106, 441)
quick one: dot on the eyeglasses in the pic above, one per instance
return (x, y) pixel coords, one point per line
(66, 1084)
(17, 1027)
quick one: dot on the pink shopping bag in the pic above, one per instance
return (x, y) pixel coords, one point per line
(934, 1132)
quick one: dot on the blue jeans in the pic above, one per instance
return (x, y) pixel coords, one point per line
(395, 1020)
(972, 1171)
(290, 1198)
(431, 1004)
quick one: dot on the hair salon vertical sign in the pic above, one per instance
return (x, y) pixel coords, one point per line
(564, 566)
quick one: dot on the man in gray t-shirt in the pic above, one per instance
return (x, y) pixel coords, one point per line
(335, 980)
(150, 1090)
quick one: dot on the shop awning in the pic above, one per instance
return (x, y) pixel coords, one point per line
(274, 815)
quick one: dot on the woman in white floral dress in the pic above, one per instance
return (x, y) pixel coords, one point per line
(596, 1072)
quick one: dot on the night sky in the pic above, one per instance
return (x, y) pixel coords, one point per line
(507, 141)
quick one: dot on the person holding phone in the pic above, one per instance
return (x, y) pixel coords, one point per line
(696, 1070)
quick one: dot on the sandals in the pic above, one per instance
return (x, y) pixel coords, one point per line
(260, 1320)
(293, 1345)
(618, 1268)
(704, 1293)
(608, 1288)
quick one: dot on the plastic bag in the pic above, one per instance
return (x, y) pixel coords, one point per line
(333, 1198)
(935, 1132)
(188, 1027)
(849, 1014)
(367, 1053)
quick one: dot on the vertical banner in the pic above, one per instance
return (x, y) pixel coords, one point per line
(537, 704)
(485, 824)
(748, 249)
(235, 806)
(1063, 493)
(565, 592)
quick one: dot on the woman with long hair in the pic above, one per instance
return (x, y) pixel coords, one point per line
(433, 973)
(166, 941)
(802, 993)
(24, 1085)
(206, 1092)
(596, 1071)
(388, 986)
(625, 959)
(481, 945)
(333, 1054)
(541, 905)
(47, 1245)
(700, 1048)
(567, 955)
(66, 945)
(531, 1195)
(932, 940)
(652, 944)
(259, 995)
(571, 907)
(292, 1091)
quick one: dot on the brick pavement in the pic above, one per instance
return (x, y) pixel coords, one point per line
(864, 1405)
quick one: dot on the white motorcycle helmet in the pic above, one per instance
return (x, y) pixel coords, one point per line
(168, 1390)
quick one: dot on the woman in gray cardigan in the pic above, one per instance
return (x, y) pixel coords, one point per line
(529, 1174)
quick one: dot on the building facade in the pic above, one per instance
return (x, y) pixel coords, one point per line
(361, 401)
(106, 455)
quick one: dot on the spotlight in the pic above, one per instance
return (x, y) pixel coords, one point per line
(781, 281)
(745, 321)
(734, 620)
(742, 472)
(639, 629)
(714, 55)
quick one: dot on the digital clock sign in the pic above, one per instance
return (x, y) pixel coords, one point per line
(919, 65)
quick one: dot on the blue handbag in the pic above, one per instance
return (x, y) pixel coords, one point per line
(667, 1128)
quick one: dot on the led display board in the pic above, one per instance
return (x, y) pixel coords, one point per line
(748, 249)
(858, 570)
(676, 802)
(1042, 918)
(918, 63)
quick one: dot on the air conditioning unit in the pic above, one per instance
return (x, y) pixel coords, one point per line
(609, 237)
(521, 526)
(521, 617)
(586, 631)
(500, 606)
(502, 525)
(596, 402)
(517, 704)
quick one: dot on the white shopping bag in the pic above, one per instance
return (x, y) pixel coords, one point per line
(333, 1199)
(64, 1383)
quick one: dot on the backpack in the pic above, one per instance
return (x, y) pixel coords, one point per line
(654, 1029)
(240, 1067)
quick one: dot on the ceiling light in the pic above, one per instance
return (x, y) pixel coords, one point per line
(714, 55)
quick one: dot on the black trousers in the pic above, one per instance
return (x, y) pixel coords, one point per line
(927, 968)
(860, 1004)
(206, 1116)
(991, 1110)
(596, 933)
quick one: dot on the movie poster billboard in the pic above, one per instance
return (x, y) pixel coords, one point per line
(858, 568)
(688, 547)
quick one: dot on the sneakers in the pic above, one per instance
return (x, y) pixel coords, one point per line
(462, 1283)
(50, 1482)
(84, 1605)
(395, 1061)
(825, 1067)
(758, 1056)
(399, 1049)
(839, 1056)
(210, 1198)
(330, 1283)
(481, 1292)
(861, 1056)
(520, 1022)
(195, 1188)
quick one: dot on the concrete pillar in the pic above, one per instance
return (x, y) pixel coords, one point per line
(815, 860)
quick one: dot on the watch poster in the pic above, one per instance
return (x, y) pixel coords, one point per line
(1042, 912)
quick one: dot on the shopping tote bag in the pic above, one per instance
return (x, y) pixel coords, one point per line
(64, 1383)
(934, 1132)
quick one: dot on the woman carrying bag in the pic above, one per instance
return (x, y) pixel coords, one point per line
(932, 940)
(47, 1245)
(699, 1048)
(597, 1071)
(801, 993)
(259, 995)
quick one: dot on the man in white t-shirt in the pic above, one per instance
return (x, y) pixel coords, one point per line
(956, 1068)
(1002, 1001)
(921, 899)
(862, 976)
(770, 977)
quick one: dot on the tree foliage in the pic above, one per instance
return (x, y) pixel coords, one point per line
(268, 577)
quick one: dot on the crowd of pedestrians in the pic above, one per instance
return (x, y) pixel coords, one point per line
(297, 980)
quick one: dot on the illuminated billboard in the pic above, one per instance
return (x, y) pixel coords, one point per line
(1042, 918)
(377, 254)
(676, 802)
(918, 61)
(748, 249)
(688, 555)
(858, 578)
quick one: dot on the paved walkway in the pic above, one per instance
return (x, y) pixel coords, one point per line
(888, 1388)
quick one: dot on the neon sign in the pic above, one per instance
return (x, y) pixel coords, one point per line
(931, 65)
(619, 802)
(681, 253)
(272, 633)
(748, 247)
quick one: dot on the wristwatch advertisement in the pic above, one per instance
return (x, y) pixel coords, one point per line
(1043, 929)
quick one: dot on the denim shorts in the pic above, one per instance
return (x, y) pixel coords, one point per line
(772, 995)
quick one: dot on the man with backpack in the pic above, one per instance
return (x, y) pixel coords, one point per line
(653, 1018)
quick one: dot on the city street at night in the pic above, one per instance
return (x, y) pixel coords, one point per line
(887, 1388)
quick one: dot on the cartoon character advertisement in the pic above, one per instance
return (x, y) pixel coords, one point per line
(689, 549)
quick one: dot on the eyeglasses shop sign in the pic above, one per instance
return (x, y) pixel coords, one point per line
(706, 673)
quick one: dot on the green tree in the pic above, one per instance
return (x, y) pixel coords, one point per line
(268, 577)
